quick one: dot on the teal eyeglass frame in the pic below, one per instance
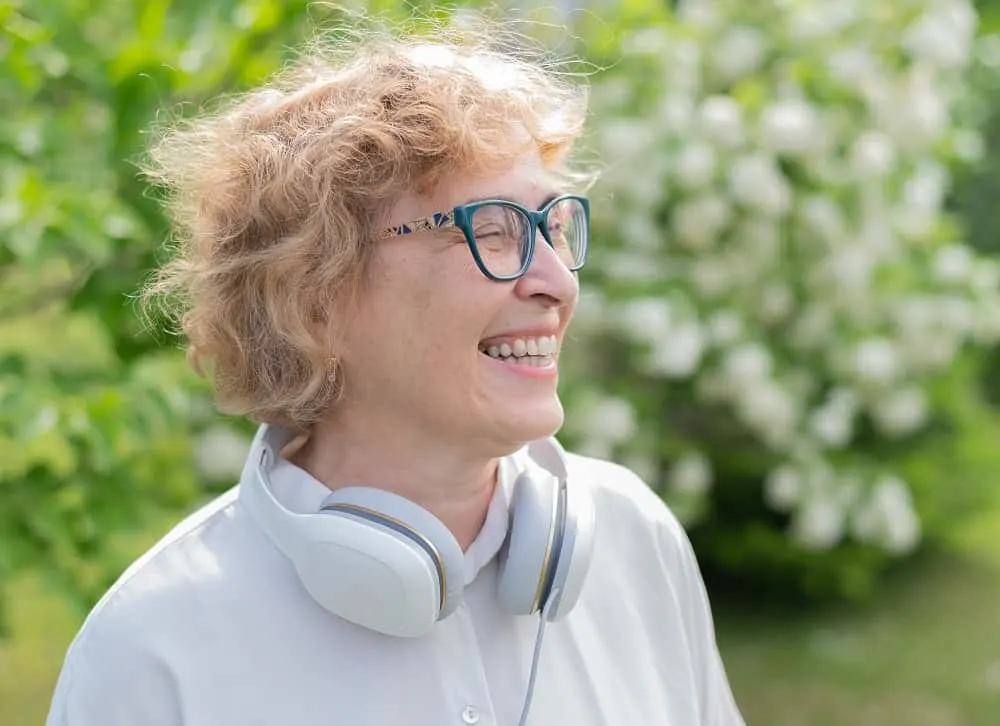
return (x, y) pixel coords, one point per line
(461, 217)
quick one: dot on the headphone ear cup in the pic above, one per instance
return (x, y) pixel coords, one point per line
(400, 572)
(577, 550)
(527, 559)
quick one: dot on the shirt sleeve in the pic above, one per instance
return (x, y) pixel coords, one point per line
(111, 680)
(715, 698)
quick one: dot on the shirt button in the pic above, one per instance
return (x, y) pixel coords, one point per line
(470, 715)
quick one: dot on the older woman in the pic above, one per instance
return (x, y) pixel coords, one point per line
(378, 266)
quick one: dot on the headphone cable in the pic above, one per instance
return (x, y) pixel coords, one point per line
(543, 617)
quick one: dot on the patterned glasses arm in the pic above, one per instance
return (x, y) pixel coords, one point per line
(435, 221)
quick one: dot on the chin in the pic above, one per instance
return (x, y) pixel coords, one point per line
(539, 422)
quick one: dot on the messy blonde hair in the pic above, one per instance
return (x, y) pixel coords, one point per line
(276, 198)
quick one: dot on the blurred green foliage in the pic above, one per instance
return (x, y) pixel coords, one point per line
(97, 414)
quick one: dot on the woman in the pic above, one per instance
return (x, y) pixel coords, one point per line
(379, 266)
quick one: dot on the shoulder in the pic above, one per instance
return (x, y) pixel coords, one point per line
(188, 558)
(618, 490)
(170, 603)
(633, 522)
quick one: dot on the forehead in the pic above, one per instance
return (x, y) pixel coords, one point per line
(526, 182)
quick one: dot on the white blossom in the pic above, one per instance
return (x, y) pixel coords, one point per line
(807, 24)
(696, 222)
(776, 302)
(626, 139)
(651, 40)
(819, 524)
(926, 188)
(738, 53)
(643, 466)
(747, 363)
(872, 155)
(695, 165)
(595, 448)
(813, 327)
(952, 264)
(942, 36)
(920, 115)
(887, 518)
(756, 181)
(852, 64)
(699, 13)
(610, 419)
(769, 409)
(639, 231)
(613, 92)
(682, 73)
(219, 453)
(724, 327)
(876, 361)
(633, 266)
(721, 121)
(851, 267)
(833, 425)
(646, 319)
(804, 221)
(783, 487)
(679, 354)
(955, 314)
(677, 112)
(901, 411)
(591, 308)
(789, 127)
(691, 474)
(822, 216)
(711, 277)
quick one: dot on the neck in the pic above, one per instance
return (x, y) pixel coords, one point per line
(454, 485)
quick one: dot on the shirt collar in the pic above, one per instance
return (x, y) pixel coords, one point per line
(491, 537)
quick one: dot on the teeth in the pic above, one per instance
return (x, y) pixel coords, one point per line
(525, 349)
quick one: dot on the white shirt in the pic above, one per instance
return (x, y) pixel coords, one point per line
(211, 627)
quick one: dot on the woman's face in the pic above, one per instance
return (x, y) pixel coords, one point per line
(415, 353)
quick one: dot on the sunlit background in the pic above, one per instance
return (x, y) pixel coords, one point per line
(789, 327)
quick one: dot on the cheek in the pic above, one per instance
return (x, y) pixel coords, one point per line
(428, 314)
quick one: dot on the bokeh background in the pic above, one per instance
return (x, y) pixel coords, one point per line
(789, 327)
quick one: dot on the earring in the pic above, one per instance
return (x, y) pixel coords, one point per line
(332, 366)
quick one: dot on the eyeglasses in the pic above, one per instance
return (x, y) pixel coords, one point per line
(501, 234)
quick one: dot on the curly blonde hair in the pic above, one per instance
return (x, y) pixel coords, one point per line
(277, 197)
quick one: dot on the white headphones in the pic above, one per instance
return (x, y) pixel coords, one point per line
(383, 562)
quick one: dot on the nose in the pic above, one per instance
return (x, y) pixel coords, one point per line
(547, 278)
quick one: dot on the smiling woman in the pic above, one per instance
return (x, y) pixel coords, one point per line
(378, 264)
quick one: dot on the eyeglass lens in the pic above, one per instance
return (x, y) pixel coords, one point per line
(502, 235)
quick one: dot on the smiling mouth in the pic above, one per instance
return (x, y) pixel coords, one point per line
(538, 352)
(531, 361)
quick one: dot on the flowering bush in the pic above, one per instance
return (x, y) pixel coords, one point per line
(786, 323)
